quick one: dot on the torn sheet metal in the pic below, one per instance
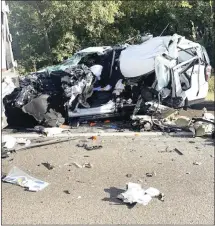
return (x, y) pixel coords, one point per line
(39, 109)
(78, 83)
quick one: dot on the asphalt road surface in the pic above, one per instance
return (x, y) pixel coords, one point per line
(188, 188)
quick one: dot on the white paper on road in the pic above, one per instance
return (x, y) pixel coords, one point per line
(136, 194)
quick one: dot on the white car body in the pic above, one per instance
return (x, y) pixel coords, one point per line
(169, 57)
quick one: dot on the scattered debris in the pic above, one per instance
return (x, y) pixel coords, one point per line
(94, 138)
(90, 148)
(67, 192)
(79, 197)
(80, 181)
(77, 165)
(49, 142)
(65, 127)
(87, 165)
(197, 163)
(92, 124)
(129, 175)
(187, 172)
(136, 194)
(151, 174)
(161, 197)
(10, 144)
(81, 145)
(48, 165)
(8, 141)
(166, 150)
(192, 142)
(95, 147)
(53, 131)
(212, 156)
(206, 115)
(24, 141)
(19, 177)
(177, 151)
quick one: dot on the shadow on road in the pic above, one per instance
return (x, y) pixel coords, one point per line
(114, 192)
(210, 105)
(209, 141)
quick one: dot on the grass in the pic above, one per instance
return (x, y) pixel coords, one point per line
(211, 90)
(210, 96)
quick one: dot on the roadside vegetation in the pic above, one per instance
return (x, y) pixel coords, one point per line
(211, 91)
(44, 32)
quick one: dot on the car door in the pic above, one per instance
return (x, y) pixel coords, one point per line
(194, 60)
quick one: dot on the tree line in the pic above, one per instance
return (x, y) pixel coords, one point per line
(44, 32)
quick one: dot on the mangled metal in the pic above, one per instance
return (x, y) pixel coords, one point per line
(146, 81)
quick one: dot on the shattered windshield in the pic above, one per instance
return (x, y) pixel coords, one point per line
(72, 61)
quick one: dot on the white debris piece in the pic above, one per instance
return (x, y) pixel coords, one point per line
(23, 141)
(9, 141)
(136, 194)
(207, 116)
(53, 131)
(197, 163)
(153, 192)
(19, 177)
(77, 165)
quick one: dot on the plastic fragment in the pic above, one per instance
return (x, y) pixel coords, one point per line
(151, 174)
(94, 137)
(48, 165)
(87, 165)
(197, 163)
(19, 177)
(177, 151)
(77, 165)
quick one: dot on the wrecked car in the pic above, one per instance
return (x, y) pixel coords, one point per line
(126, 80)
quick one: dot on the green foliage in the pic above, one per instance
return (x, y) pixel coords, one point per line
(212, 84)
(46, 31)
